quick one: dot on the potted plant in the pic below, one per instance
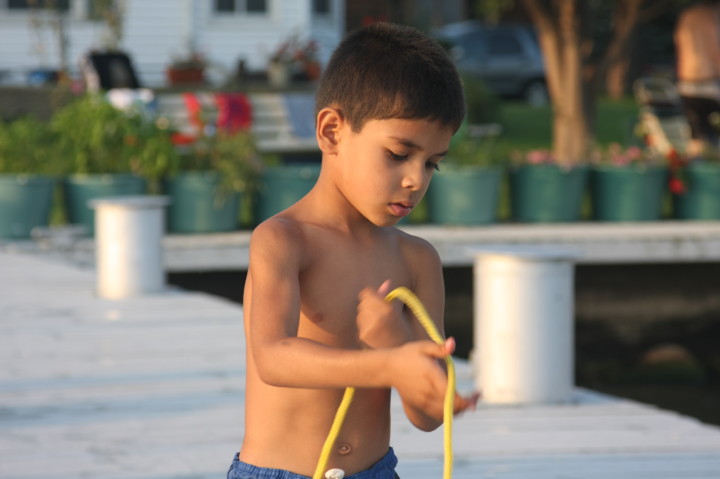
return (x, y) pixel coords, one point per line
(466, 189)
(106, 151)
(207, 183)
(281, 185)
(293, 56)
(186, 70)
(695, 185)
(627, 184)
(543, 189)
(27, 177)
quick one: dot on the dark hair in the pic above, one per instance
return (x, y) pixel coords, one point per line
(391, 71)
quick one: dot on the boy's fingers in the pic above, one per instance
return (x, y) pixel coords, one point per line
(449, 346)
(465, 403)
(472, 400)
(366, 293)
(384, 288)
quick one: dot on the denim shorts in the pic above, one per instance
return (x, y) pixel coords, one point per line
(383, 469)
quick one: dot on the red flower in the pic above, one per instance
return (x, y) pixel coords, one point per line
(677, 187)
(676, 161)
(182, 139)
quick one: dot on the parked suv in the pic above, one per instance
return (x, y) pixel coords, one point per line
(507, 58)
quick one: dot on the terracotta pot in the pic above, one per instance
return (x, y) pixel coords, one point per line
(185, 76)
(312, 70)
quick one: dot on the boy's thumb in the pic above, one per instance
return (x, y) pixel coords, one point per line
(440, 350)
(449, 346)
(384, 288)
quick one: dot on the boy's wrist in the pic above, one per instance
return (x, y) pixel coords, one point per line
(386, 366)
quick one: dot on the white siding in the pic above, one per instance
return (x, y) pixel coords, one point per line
(328, 30)
(155, 31)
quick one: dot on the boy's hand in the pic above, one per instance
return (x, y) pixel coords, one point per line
(381, 324)
(421, 381)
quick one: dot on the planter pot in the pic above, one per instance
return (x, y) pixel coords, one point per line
(25, 203)
(312, 71)
(197, 206)
(464, 195)
(278, 74)
(701, 201)
(627, 193)
(547, 193)
(185, 76)
(281, 186)
(78, 190)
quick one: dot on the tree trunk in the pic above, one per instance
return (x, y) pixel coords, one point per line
(559, 35)
(615, 63)
(616, 78)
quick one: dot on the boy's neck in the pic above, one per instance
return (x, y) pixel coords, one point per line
(330, 209)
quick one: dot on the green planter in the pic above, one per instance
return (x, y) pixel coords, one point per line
(196, 205)
(628, 193)
(281, 186)
(701, 201)
(25, 203)
(464, 195)
(78, 190)
(547, 193)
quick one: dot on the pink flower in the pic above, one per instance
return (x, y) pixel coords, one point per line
(536, 157)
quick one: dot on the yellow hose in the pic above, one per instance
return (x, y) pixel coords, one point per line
(417, 308)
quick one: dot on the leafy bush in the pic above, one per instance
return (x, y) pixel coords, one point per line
(27, 147)
(95, 137)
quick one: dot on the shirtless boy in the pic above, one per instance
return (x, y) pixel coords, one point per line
(315, 316)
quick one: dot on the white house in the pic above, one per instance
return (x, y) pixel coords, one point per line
(156, 31)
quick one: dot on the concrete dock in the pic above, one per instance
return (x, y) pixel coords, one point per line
(594, 242)
(152, 388)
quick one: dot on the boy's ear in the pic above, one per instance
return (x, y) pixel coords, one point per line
(329, 124)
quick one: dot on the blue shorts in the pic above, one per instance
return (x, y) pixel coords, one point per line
(383, 469)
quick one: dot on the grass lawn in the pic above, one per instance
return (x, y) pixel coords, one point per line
(526, 127)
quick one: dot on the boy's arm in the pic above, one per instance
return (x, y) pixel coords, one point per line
(429, 287)
(381, 326)
(283, 359)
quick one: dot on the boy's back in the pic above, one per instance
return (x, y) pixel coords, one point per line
(315, 317)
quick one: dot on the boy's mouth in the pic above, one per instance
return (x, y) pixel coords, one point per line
(401, 209)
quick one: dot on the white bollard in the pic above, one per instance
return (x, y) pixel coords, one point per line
(128, 245)
(523, 325)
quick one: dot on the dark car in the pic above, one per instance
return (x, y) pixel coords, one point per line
(507, 58)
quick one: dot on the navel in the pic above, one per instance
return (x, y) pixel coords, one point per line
(344, 449)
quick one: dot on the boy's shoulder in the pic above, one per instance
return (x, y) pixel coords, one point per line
(415, 247)
(280, 237)
(286, 235)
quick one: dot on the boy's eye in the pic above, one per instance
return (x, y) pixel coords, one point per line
(396, 157)
(430, 165)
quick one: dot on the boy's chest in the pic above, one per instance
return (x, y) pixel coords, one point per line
(330, 286)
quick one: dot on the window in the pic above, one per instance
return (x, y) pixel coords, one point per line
(247, 6)
(62, 5)
(321, 7)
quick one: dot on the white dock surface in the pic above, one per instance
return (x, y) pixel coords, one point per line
(152, 388)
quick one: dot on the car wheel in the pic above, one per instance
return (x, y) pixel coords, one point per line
(536, 94)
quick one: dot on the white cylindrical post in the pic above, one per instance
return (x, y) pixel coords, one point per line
(523, 339)
(128, 245)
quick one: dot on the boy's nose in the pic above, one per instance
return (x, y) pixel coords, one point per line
(413, 178)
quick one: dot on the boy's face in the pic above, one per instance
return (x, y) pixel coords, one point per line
(387, 166)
